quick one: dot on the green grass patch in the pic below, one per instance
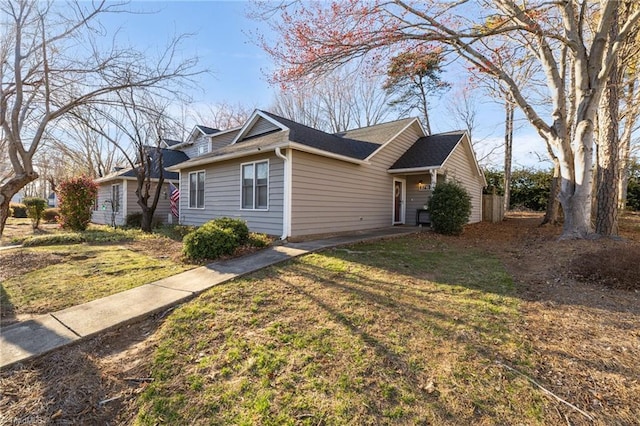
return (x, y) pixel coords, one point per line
(78, 274)
(94, 234)
(403, 331)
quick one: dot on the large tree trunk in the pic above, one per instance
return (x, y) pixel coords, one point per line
(575, 185)
(607, 172)
(8, 190)
(552, 214)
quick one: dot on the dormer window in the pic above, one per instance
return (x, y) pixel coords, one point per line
(202, 149)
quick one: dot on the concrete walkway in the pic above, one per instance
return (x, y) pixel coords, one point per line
(28, 339)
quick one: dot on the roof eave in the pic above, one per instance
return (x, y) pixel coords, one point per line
(111, 178)
(252, 120)
(413, 170)
(225, 157)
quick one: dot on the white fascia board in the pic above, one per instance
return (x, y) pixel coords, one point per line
(252, 120)
(292, 145)
(217, 159)
(112, 178)
(381, 147)
(413, 170)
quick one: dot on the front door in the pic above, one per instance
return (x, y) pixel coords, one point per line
(398, 201)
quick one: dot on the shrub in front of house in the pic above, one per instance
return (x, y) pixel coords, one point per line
(76, 197)
(209, 242)
(450, 208)
(237, 226)
(51, 215)
(133, 220)
(35, 208)
(19, 210)
(259, 240)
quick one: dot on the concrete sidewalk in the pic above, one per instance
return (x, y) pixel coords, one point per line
(28, 339)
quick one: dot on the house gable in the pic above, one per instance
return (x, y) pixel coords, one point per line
(463, 154)
(258, 124)
(223, 138)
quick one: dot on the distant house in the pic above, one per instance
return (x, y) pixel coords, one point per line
(116, 191)
(290, 180)
(52, 200)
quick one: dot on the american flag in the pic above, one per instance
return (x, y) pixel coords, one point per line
(174, 198)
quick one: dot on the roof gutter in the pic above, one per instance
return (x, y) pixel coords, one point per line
(413, 170)
(286, 208)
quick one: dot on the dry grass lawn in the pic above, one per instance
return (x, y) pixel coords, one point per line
(418, 330)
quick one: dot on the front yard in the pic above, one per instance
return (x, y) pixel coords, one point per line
(493, 327)
(42, 279)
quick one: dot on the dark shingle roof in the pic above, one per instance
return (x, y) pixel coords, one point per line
(428, 151)
(170, 157)
(207, 130)
(171, 142)
(324, 141)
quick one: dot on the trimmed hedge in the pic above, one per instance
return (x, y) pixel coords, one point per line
(19, 210)
(209, 242)
(237, 226)
(51, 215)
(216, 238)
(133, 220)
(450, 208)
(35, 207)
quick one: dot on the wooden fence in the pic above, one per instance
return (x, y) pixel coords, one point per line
(492, 208)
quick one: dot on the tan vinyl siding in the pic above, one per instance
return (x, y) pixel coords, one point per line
(334, 196)
(222, 195)
(261, 126)
(460, 167)
(416, 199)
(162, 209)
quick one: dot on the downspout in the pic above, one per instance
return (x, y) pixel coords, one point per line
(286, 205)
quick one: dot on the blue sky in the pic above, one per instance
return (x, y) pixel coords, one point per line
(222, 38)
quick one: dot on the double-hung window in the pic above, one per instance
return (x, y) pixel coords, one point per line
(196, 190)
(255, 185)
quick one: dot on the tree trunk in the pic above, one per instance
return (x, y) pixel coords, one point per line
(552, 214)
(607, 168)
(575, 185)
(8, 190)
(606, 217)
(508, 150)
(147, 219)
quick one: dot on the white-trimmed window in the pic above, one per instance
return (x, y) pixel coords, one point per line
(196, 190)
(255, 185)
(115, 197)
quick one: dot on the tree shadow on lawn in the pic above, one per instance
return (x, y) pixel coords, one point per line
(588, 364)
(387, 310)
(7, 310)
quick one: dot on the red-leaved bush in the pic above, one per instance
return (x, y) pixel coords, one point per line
(76, 197)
